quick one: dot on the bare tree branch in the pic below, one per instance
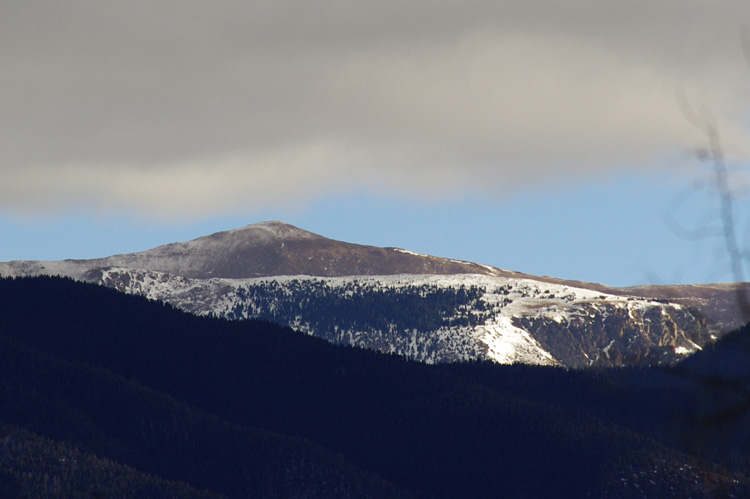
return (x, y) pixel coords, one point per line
(714, 155)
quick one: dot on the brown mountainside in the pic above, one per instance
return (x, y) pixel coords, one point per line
(276, 248)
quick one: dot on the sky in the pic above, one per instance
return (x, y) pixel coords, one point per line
(553, 138)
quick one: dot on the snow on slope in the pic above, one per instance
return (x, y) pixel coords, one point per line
(22, 268)
(469, 310)
(505, 307)
(508, 344)
(395, 300)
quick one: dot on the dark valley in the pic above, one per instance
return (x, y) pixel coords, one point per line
(186, 406)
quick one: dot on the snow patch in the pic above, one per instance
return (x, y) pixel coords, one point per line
(401, 250)
(508, 344)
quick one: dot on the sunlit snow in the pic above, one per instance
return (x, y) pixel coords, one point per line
(501, 338)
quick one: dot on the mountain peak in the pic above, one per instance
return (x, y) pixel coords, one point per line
(271, 229)
(276, 248)
(264, 249)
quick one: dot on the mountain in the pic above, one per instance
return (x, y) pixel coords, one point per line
(110, 394)
(262, 249)
(723, 305)
(423, 307)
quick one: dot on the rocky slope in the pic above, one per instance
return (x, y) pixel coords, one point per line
(426, 308)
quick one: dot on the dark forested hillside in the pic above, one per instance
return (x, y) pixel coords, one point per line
(247, 408)
(33, 466)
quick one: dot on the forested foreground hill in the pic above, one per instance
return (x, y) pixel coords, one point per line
(181, 406)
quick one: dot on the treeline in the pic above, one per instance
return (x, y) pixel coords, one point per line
(247, 408)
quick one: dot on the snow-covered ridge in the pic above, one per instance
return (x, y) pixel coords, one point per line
(504, 319)
(427, 308)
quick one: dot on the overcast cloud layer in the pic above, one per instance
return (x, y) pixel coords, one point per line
(187, 108)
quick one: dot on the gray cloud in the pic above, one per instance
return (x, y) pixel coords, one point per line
(194, 108)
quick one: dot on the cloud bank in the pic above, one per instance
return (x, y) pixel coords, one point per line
(199, 108)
